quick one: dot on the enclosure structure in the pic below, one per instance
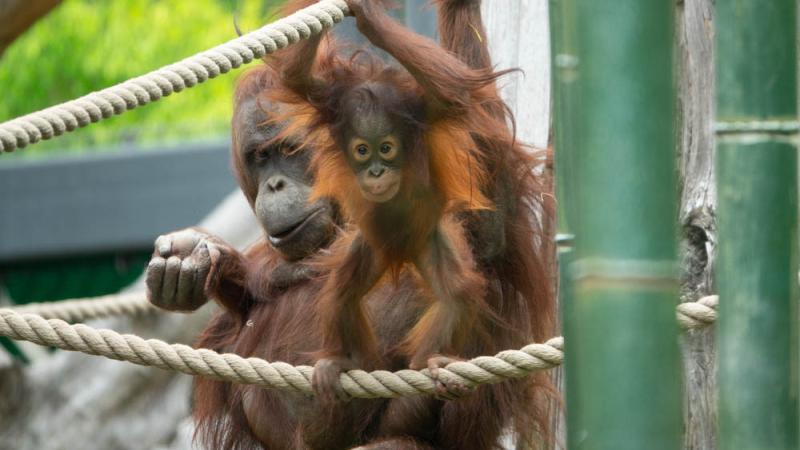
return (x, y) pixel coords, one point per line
(615, 165)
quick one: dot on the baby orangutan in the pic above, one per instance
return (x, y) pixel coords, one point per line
(397, 149)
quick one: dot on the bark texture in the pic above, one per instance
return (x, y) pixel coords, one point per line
(695, 56)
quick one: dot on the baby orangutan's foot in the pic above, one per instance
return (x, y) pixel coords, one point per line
(325, 380)
(446, 389)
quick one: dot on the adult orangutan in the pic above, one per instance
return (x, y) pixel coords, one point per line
(407, 153)
(265, 294)
(274, 289)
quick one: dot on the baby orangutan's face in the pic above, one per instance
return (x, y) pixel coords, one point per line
(375, 155)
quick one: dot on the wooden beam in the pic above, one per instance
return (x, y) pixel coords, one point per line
(18, 15)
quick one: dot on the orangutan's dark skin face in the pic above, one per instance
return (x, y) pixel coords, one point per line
(375, 154)
(293, 226)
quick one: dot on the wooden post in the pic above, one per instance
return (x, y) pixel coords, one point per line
(623, 370)
(757, 188)
(697, 216)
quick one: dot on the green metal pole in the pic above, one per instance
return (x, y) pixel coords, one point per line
(623, 367)
(758, 218)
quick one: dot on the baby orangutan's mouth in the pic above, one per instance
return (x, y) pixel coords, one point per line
(380, 192)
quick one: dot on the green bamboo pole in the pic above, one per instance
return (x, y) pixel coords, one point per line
(623, 368)
(563, 82)
(757, 188)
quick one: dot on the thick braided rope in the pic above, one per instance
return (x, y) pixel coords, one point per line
(81, 309)
(699, 314)
(690, 315)
(59, 119)
(505, 365)
(229, 367)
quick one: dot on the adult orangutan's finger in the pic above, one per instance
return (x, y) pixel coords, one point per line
(171, 279)
(202, 260)
(154, 279)
(185, 284)
(163, 246)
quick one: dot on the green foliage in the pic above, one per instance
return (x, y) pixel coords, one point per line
(86, 45)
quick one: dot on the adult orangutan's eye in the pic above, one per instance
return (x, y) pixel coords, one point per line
(288, 148)
(262, 153)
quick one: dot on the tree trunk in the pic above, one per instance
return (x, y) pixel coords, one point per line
(695, 34)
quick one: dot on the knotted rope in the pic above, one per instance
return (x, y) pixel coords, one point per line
(509, 364)
(68, 116)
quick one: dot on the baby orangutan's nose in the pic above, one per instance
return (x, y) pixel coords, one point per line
(376, 171)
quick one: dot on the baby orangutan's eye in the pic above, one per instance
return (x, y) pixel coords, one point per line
(388, 151)
(361, 153)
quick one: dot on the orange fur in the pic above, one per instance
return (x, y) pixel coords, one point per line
(336, 180)
(457, 167)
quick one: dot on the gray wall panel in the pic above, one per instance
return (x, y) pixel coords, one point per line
(86, 204)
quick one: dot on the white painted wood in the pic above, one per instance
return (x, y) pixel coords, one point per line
(501, 20)
(519, 37)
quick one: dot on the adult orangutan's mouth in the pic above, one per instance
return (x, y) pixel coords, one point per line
(291, 231)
